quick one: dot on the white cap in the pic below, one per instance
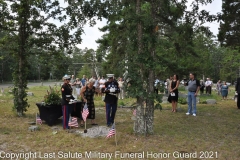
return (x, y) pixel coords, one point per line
(110, 75)
(66, 77)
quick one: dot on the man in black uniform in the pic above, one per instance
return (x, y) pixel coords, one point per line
(67, 100)
(111, 99)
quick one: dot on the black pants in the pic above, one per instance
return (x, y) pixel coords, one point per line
(156, 90)
(238, 101)
(201, 90)
(208, 90)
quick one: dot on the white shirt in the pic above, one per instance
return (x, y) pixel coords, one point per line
(208, 83)
(102, 82)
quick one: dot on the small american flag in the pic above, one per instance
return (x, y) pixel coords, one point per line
(38, 119)
(85, 112)
(72, 122)
(134, 112)
(111, 131)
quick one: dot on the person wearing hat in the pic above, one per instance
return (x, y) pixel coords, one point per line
(111, 99)
(67, 100)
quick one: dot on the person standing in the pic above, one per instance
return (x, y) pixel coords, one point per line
(102, 85)
(224, 89)
(237, 89)
(156, 83)
(121, 87)
(208, 85)
(166, 86)
(202, 87)
(96, 84)
(174, 92)
(72, 83)
(169, 84)
(219, 86)
(193, 88)
(78, 85)
(87, 94)
(83, 80)
(111, 90)
(66, 97)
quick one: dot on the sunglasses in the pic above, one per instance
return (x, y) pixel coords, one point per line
(68, 79)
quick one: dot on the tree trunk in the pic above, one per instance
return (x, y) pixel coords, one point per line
(20, 75)
(139, 126)
(149, 115)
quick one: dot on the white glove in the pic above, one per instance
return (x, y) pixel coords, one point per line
(112, 90)
(72, 101)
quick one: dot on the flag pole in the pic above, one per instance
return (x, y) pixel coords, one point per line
(115, 133)
(36, 119)
(115, 126)
(85, 130)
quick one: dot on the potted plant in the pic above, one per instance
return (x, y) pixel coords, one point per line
(50, 109)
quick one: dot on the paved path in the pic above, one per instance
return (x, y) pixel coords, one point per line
(30, 84)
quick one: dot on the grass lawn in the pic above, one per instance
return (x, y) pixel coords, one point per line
(215, 131)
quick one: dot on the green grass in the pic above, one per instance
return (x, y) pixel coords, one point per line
(215, 128)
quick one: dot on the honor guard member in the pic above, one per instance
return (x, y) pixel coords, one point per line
(111, 99)
(67, 100)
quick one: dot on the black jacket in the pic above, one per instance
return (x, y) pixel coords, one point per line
(66, 93)
(237, 87)
(109, 98)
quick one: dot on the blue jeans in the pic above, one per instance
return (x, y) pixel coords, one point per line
(192, 103)
(110, 113)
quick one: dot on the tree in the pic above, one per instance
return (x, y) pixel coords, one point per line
(85, 70)
(152, 39)
(28, 23)
(229, 24)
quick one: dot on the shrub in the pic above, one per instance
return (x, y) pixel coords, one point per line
(182, 100)
(52, 97)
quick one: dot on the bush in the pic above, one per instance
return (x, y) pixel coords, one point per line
(52, 97)
(182, 100)
(203, 102)
(181, 88)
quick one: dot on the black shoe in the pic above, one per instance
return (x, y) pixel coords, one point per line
(94, 124)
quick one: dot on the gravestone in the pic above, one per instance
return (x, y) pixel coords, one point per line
(33, 128)
(30, 94)
(2, 90)
(211, 101)
(98, 131)
(165, 99)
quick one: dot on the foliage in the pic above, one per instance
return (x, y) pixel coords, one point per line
(85, 70)
(229, 24)
(203, 102)
(157, 37)
(229, 70)
(31, 25)
(182, 100)
(52, 97)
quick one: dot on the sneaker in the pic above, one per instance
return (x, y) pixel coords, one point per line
(194, 115)
(187, 113)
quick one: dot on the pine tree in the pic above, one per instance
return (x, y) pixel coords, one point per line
(229, 32)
